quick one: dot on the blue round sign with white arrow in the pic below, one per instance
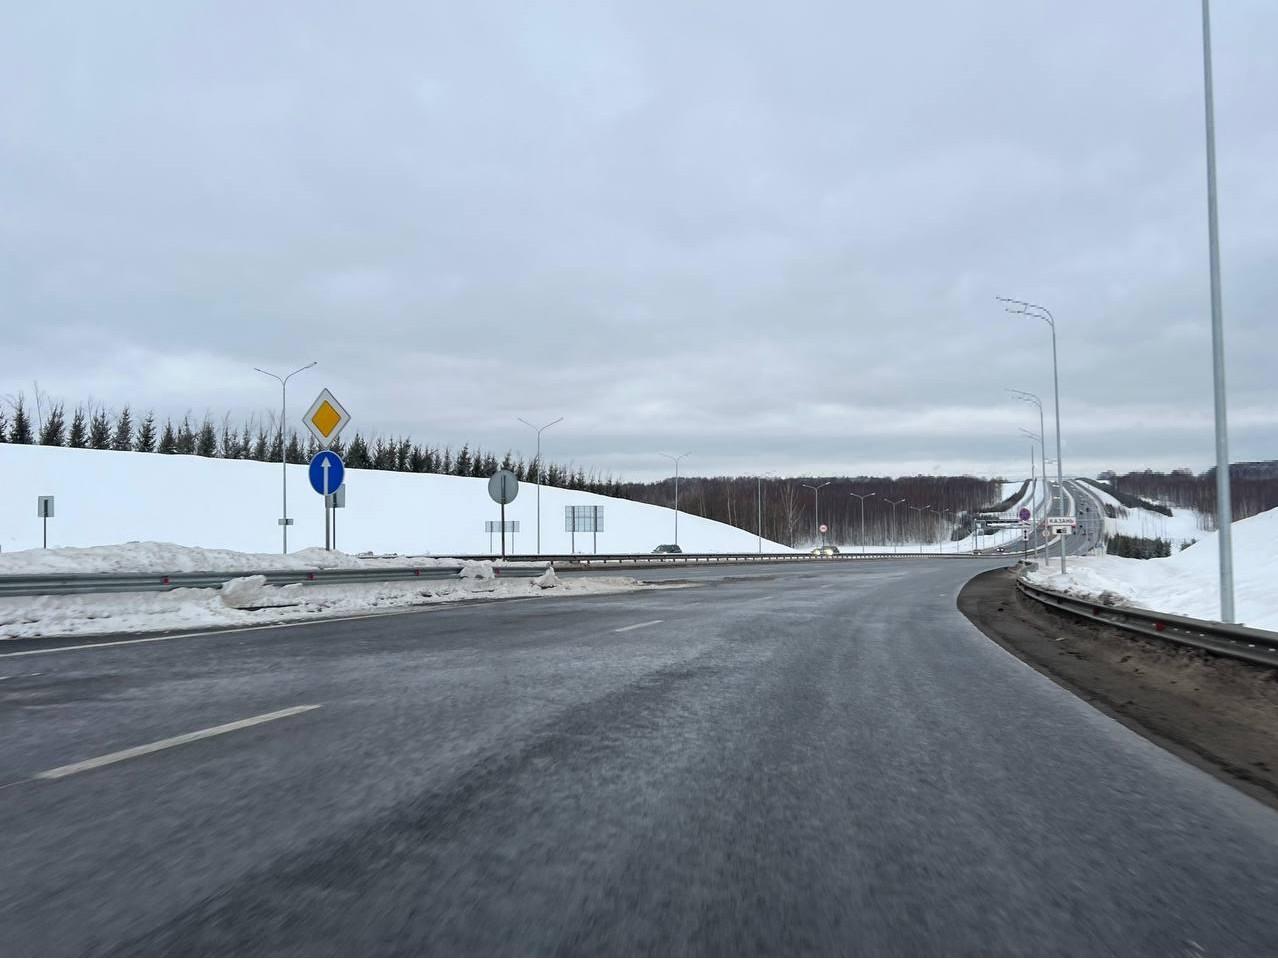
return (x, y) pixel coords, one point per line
(327, 472)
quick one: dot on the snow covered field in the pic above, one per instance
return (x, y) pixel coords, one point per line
(1186, 582)
(248, 601)
(1183, 526)
(106, 497)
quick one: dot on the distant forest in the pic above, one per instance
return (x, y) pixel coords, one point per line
(1253, 488)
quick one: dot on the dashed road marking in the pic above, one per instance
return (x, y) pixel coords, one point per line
(626, 629)
(60, 772)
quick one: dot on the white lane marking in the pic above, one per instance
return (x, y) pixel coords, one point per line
(626, 629)
(98, 761)
(20, 676)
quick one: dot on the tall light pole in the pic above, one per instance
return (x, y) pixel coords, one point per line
(675, 460)
(816, 494)
(895, 535)
(1027, 397)
(920, 510)
(1037, 438)
(284, 520)
(540, 430)
(1224, 504)
(862, 497)
(1043, 313)
(760, 505)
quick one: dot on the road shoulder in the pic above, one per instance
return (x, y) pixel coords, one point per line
(1219, 714)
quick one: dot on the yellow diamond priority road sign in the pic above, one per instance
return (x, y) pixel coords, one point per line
(326, 418)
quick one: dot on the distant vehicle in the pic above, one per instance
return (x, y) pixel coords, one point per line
(668, 548)
(1000, 549)
(825, 551)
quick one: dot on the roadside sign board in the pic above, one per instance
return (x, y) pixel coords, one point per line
(337, 498)
(503, 487)
(326, 473)
(1024, 515)
(326, 418)
(498, 526)
(824, 528)
(1061, 521)
(44, 507)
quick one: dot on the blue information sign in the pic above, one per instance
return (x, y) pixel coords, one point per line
(327, 472)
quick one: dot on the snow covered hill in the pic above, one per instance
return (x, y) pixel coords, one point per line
(107, 497)
(1186, 582)
(1183, 526)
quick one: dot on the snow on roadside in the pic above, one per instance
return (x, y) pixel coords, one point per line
(1186, 582)
(248, 601)
(1183, 526)
(172, 558)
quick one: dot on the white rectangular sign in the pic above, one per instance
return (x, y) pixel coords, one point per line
(1061, 521)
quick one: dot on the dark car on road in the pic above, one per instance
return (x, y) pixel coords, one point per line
(825, 551)
(668, 548)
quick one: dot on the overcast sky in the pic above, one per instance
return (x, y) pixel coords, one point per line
(769, 234)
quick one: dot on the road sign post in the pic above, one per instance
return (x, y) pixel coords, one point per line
(824, 529)
(327, 472)
(503, 487)
(44, 509)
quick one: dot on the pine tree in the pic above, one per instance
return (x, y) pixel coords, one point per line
(100, 430)
(145, 441)
(123, 439)
(276, 452)
(246, 442)
(20, 431)
(357, 454)
(79, 438)
(228, 444)
(168, 440)
(186, 437)
(260, 445)
(295, 452)
(55, 428)
(206, 439)
(403, 454)
(462, 465)
(508, 462)
(4, 427)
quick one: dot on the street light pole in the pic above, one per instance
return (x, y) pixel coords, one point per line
(759, 501)
(896, 538)
(816, 494)
(862, 497)
(283, 381)
(1043, 313)
(1034, 398)
(1224, 504)
(540, 430)
(920, 510)
(675, 460)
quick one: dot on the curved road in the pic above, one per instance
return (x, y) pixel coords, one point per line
(818, 760)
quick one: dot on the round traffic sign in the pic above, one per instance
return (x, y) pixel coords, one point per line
(1024, 514)
(327, 472)
(503, 487)
(824, 528)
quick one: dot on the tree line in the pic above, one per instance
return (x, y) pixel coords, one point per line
(97, 428)
(1253, 488)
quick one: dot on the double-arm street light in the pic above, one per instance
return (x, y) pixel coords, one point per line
(862, 497)
(895, 535)
(675, 460)
(816, 494)
(1025, 308)
(920, 510)
(284, 521)
(540, 430)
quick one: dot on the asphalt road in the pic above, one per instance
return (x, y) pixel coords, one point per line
(825, 759)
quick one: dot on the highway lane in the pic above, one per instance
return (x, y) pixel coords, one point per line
(828, 759)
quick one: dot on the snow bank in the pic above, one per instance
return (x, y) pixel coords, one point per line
(108, 497)
(248, 601)
(1186, 582)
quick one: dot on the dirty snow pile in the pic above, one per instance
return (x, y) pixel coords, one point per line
(1186, 583)
(249, 601)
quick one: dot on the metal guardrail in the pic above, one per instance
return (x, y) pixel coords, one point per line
(65, 584)
(1259, 646)
(571, 560)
